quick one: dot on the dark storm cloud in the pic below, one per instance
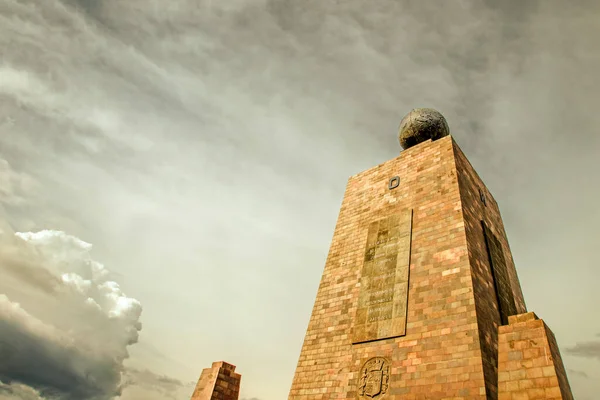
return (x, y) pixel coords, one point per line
(35, 356)
(67, 337)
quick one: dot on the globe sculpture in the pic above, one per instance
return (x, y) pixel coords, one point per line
(422, 124)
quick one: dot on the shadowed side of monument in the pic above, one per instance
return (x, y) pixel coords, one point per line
(419, 287)
(495, 283)
(220, 382)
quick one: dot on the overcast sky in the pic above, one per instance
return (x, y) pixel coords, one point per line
(171, 173)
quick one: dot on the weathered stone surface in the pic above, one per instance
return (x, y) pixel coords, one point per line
(383, 296)
(529, 362)
(220, 382)
(374, 380)
(422, 124)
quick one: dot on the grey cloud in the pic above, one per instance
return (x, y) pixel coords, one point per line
(15, 187)
(162, 385)
(579, 373)
(590, 349)
(68, 338)
(19, 260)
(16, 391)
(35, 355)
(89, 6)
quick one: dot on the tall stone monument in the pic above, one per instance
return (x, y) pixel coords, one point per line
(220, 382)
(420, 298)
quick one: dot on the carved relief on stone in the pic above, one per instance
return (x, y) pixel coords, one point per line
(373, 379)
(383, 294)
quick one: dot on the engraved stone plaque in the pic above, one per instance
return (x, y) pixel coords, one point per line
(374, 379)
(382, 300)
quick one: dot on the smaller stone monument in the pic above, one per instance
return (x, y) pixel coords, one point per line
(220, 382)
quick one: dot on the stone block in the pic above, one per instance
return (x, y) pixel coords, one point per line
(220, 382)
(543, 377)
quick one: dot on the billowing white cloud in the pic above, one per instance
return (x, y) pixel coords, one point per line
(72, 342)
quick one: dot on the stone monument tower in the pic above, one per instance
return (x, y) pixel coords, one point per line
(420, 298)
(219, 382)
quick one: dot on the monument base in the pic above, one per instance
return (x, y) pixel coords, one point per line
(529, 362)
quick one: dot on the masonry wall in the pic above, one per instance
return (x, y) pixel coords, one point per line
(530, 365)
(440, 357)
(220, 382)
(475, 210)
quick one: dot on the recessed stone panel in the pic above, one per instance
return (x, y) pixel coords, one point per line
(382, 302)
(504, 293)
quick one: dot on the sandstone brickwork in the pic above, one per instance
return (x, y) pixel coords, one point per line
(480, 211)
(220, 382)
(457, 278)
(530, 366)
